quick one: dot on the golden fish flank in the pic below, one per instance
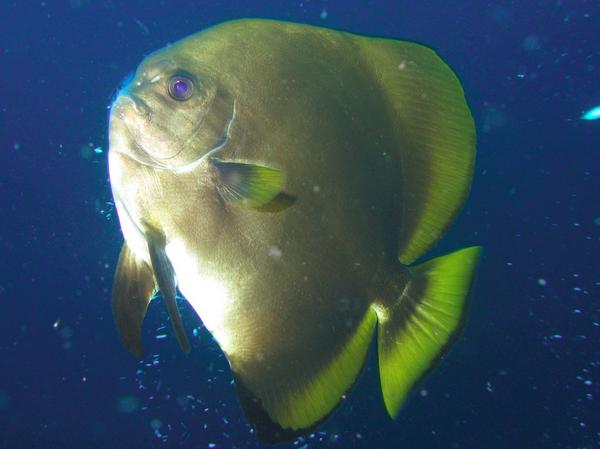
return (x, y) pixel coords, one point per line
(284, 177)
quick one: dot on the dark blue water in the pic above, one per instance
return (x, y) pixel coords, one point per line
(526, 372)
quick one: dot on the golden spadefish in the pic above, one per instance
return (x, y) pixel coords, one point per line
(283, 177)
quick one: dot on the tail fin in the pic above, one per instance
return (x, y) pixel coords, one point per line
(418, 328)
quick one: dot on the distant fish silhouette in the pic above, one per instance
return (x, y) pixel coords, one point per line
(592, 114)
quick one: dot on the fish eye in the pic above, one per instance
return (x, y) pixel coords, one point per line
(181, 88)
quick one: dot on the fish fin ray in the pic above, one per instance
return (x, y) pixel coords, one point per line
(165, 278)
(132, 291)
(435, 134)
(281, 414)
(410, 341)
(249, 185)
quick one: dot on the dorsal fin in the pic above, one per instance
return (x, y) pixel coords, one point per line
(435, 134)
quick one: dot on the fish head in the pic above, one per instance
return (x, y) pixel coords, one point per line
(172, 113)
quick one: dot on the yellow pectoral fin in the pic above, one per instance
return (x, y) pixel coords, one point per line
(248, 185)
(416, 330)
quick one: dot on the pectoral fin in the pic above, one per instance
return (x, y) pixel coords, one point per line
(165, 278)
(132, 290)
(248, 185)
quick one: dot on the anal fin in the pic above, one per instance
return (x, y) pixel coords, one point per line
(282, 411)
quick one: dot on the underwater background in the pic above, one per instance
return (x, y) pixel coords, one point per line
(525, 372)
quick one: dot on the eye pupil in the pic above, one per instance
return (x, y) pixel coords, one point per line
(180, 88)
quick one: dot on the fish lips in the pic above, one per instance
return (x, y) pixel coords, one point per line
(122, 136)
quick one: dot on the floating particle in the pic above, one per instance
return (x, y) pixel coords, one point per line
(161, 336)
(592, 114)
(195, 332)
(493, 119)
(99, 429)
(323, 14)
(86, 152)
(142, 26)
(128, 404)
(4, 400)
(542, 282)
(77, 4)
(588, 383)
(98, 150)
(56, 323)
(275, 252)
(211, 445)
(66, 332)
(556, 337)
(597, 221)
(489, 387)
(17, 146)
(424, 393)
(156, 423)
(531, 42)
(502, 16)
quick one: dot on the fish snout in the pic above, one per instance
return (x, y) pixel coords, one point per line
(130, 106)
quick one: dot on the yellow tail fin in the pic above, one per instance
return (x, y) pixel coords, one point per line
(415, 330)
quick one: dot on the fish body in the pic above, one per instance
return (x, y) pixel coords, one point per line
(286, 197)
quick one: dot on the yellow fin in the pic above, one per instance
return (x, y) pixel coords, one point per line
(132, 290)
(295, 408)
(247, 184)
(416, 330)
(435, 137)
